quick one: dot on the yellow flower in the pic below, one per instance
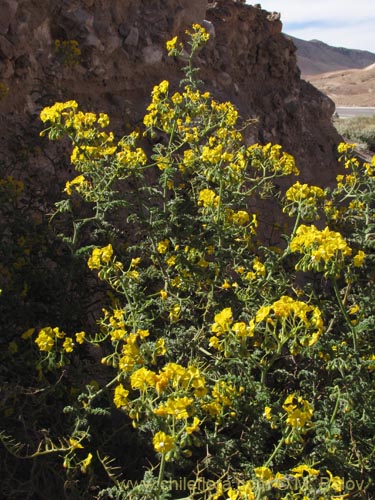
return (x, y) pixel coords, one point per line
(171, 261)
(303, 192)
(226, 285)
(171, 44)
(193, 427)
(222, 320)
(208, 198)
(175, 312)
(320, 248)
(300, 469)
(100, 256)
(354, 309)
(160, 348)
(163, 294)
(85, 463)
(120, 397)
(262, 313)
(176, 407)
(80, 337)
(75, 444)
(359, 258)
(259, 267)
(68, 344)
(335, 482)
(135, 262)
(299, 411)
(106, 253)
(215, 343)
(28, 334)
(142, 379)
(46, 338)
(103, 120)
(163, 442)
(241, 329)
(199, 33)
(53, 113)
(263, 473)
(78, 182)
(267, 413)
(162, 246)
(241, 218)
(345, 147)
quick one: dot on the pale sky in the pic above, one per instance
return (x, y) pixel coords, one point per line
(340, 23)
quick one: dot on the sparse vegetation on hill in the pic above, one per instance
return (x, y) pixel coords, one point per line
(360, 130)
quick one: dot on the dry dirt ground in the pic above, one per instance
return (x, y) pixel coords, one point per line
(353, 87)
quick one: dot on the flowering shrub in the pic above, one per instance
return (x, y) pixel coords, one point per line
(68, 51)
(245, 369)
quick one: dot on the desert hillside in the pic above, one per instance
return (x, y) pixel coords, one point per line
(315, 57)
(353, 87)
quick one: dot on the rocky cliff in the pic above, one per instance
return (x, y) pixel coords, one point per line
(108, 56)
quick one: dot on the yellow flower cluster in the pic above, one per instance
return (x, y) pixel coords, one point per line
(346, 181)
(322, 250)
(223, 324)
(130, 157)
(243, 492)
(159, 94)
(171, 44)
(222, 395)
(271, 159)
(370, 167)
(78, 183)
(259, 270)
(304, 193)
(130, 355)
(53, 114)
(208, 198)
(83, 122)
(280, 481)
(100, 257)
(212, 155)
(228, 112)
(198, 32)
(114, 324)
(48, 337)
(93, 147)
(162, 246)
(359, 258)
(299, 412)
(345, 147)
(173, 376)
(176, 407)
(223, 321)
(120, 398)
(292, 320)
(286, 320)
(239, 218)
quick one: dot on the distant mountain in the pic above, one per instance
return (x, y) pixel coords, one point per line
(315, 57)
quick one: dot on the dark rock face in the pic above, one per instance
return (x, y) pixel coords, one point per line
(122, 55)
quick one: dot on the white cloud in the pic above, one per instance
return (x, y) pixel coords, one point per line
(343, 24)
